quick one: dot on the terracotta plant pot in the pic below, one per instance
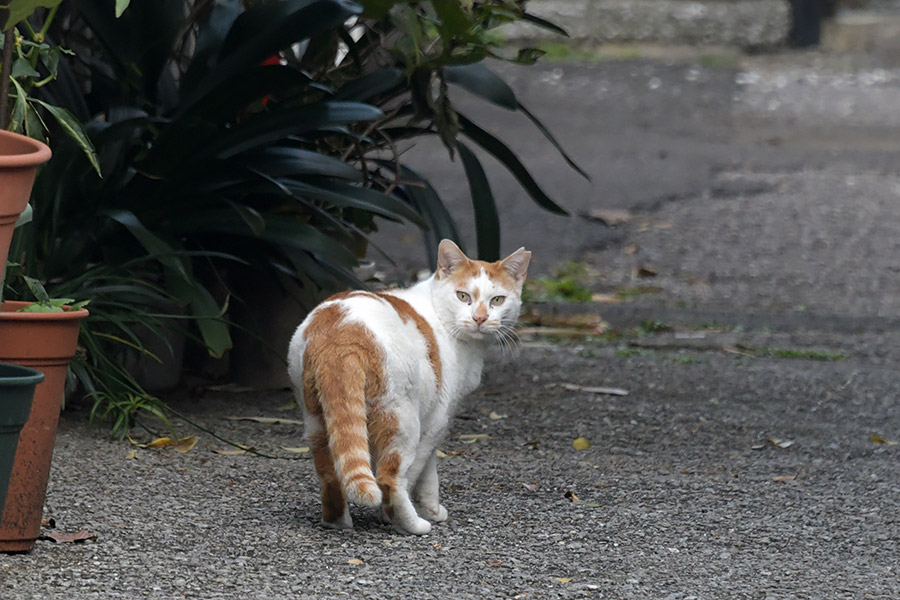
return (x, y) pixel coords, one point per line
(19, 160)
(16, 391)
(46, 342)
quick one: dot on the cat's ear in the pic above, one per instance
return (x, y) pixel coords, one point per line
(516, 264)
(449, 257)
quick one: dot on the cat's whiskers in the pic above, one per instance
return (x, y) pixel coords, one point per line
(508, 340)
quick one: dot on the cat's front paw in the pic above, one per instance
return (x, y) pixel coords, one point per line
(435, 515)
(413, 526)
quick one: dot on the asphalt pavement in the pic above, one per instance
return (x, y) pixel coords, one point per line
(744, 314)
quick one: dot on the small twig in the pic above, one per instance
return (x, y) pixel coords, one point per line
(372, 126)
(735, 351)
(398, 172)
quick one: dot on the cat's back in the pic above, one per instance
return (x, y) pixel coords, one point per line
(393, 325)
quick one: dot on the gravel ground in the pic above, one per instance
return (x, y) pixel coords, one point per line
(683, 493)
(764, 197)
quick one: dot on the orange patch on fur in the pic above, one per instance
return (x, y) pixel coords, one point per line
(388, 469)
(470, 269)
(343, 370)
(333, 500)
(408, 313)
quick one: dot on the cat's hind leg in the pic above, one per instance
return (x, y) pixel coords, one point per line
(426, 492)
(335, 511)
(396, 453)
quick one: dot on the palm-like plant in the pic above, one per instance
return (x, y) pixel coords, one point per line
(266, 136)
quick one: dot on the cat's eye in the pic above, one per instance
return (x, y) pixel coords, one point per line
(498, 300)
(463, 296)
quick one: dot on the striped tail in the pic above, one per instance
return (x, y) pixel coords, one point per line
(343, 401)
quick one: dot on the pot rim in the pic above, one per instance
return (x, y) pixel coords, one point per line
(9, 312)
(22, 151)
(12, 374)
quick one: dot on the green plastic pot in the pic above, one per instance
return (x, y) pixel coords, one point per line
(16, 392)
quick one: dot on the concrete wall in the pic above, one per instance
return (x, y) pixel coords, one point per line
(737, 23)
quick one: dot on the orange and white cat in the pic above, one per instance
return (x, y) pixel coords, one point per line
(378, 376)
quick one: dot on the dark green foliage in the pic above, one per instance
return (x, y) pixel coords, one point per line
(212, 159)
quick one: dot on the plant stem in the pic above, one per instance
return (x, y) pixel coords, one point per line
(9, 40)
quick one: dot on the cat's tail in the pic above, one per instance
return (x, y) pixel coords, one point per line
(343, 401)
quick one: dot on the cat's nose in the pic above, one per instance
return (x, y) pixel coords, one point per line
(479, 319)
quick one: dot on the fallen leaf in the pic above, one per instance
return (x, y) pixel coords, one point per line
(570, 496)
(267, 420)
(520, 596)
(49, 522)
(632, 248)
(645, 271)
(880, 440)
(162, 442)
(606, 298)
(185, 444)
(131, 454)
(496, 417)
(610, 391)
(495, 563)
(355, 561)
(591, 505)
(67, 538)
(784, 478)
(531, 487)
(781, 443)
(564, 579)
(297, 450)
(471, 438)
(609, 216)
(441, 454)
(581, 444)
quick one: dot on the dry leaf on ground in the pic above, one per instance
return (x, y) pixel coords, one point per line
(67, 538)
(581, 443)
(784, 478)
(880, 440)
(531, 487)
(297, 450)
(606, 298)
(570, 496)
(496, 416)
(355, 561)
(609, 216)
(564, 579)
(471, 438)
(185, 444)
(645, 271)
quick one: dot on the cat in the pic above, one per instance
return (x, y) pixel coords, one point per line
(378, 376)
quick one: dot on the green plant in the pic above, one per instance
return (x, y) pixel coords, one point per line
(568, 284)
(266, 138)
(28, 63)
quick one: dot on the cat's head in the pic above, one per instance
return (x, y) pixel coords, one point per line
(477, 299)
